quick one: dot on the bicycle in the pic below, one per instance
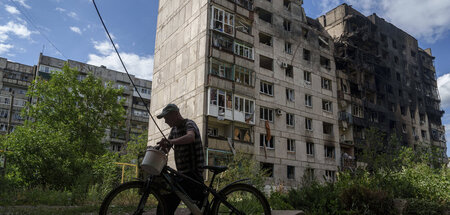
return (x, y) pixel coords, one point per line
(138, 197)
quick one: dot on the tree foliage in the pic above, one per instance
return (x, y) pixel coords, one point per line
(62, 139)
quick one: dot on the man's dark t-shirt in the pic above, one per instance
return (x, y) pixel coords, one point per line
(188, 157)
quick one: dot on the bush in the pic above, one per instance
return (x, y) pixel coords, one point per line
(362, 200)
(424, 206)
(279, 201)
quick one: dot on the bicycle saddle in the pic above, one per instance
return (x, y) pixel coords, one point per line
(216, 169)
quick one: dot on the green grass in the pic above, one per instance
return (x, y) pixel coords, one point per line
(44, 210)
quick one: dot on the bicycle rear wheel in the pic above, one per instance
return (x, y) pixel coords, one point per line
(245, 198)
(125, 198)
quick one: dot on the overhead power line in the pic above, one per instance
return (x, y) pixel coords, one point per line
(124, 67)
(23, 12)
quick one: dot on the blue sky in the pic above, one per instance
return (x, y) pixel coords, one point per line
(74, 28)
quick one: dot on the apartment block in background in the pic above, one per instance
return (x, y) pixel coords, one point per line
(15, 80)
(242, 70)
(385, 81)
(137, 117)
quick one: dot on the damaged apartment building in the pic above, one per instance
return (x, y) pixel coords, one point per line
(384, 80)
(257, 77)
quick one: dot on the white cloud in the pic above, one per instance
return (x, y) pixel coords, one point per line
(61, 10)
(105, 47)
(140, 66)
(443, 83)
(73, 15)
(13, 28)
(22, 2)
(75, 29)
(4, 48)
(12, 10)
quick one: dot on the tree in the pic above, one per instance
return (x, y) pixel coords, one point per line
(62, 139)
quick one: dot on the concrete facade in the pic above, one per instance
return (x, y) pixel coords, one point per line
(15, 79)
(385, 81)
(232, 66)
(137, 117)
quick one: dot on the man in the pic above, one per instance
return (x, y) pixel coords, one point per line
(186, 140)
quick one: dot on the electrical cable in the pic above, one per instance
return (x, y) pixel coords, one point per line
(40, 32)
(121, 61)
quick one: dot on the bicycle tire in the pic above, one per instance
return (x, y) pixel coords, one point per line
(244, 197)
(125, 198)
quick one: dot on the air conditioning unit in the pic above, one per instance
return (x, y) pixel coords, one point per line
(284, 65)
(278, 112)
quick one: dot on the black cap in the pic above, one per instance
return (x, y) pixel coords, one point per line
(169, 108)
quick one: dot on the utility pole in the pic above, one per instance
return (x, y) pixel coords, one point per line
(8, 128)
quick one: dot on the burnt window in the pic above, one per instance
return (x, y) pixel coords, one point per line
(394, 44)
(289, 71)
(287, 4)
(287, 25)
(265, 62)
(398, 77)
(327, 128)
(413, 53)
(323, 42)
(306, 55)
(265, 39)
(290, 172)
(305, 33)
(265, 16)
(325, 62)
(268, 168)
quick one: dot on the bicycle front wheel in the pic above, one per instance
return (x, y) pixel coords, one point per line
(245, 198)
(125, 199)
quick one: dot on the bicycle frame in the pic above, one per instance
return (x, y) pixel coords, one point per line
(168, 173)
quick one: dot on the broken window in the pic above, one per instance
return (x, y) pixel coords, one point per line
(326, 83)
(306, 55)
(265, 39)
(404, 128)
(265, 16)
(223, 21)
(394, 44)
(243, 75)
(222, 99)
(287, 25)
(265, 62)
(323, 42)
(288, 47)
(308, 100)
(243, 50)
(327, 106)
(263, 140)
(307, 77)
(424, 134)
(310, 148)
(383, 37)
(287, 4)
(357, 111)
(329, 151)
(308, 124)
(403, 110)
(290, 119)
(242, 134)
(243, 25)
(330, 175)
(221, 69)
(325, 62)
(290, 145)
(413, 53)
(213, 132)
(266, 114)
(290, 94)
(222, 42)
(248, 4)
(289, 70)
(266, 88)
(392, 124)
(327, 128)
(305, 33)
(290, 172)
(395, 59)
(268, 168)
